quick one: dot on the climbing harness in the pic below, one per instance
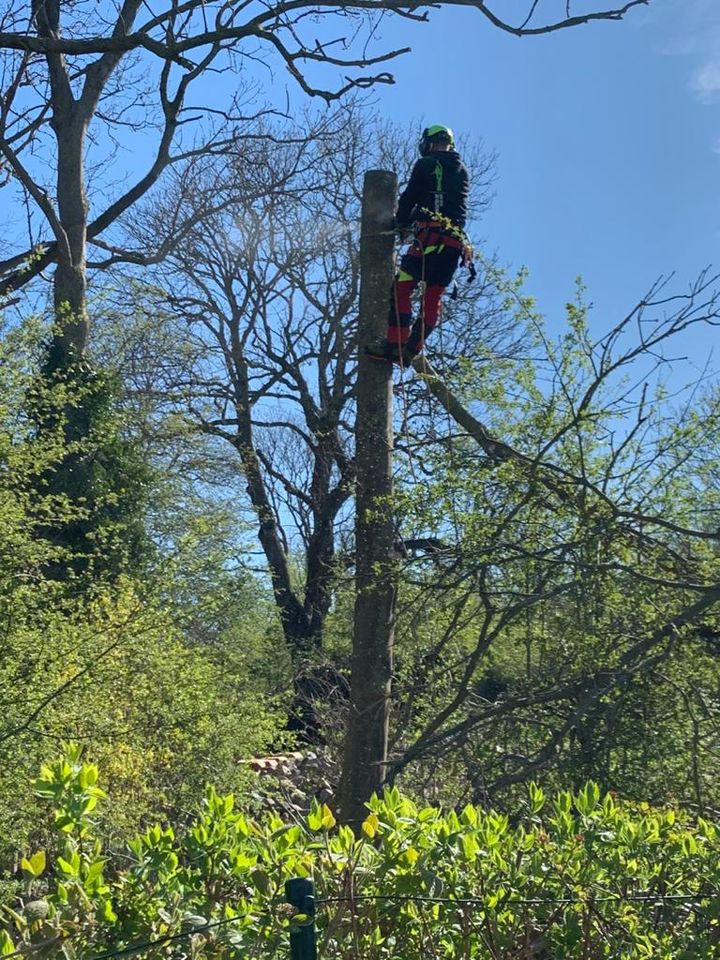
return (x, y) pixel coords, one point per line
(431, 235)
(437, 233)
(451, 445)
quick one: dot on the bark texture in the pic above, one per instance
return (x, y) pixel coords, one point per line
(366, 743)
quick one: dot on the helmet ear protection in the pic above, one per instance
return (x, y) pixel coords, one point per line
(432, 135)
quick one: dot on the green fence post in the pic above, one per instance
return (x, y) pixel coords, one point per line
(300, 892)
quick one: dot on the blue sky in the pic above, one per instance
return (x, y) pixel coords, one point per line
(608, 138)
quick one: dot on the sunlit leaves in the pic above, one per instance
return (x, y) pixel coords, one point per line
(34, 866)
(414, 882)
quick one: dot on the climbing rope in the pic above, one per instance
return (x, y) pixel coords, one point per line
(405, 429)
(449, 422)
(454, 231)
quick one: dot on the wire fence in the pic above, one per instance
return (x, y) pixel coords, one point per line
(305, 933)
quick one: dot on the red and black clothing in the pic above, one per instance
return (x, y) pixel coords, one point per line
(435, 202)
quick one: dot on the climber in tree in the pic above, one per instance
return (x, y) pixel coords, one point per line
(434, 207)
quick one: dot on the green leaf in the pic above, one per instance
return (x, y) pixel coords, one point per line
(243, 861)
(94, 872)
(370, 825)
(409, 856)
(314, 818)
(6, 944)
(64, 822)
(261, 880)
(108, 914)
(470, 847)
(88, 775)
(537, 798)
(689, 845)
(346, 839)
(588, 798)
(65, 867)
(35, 865)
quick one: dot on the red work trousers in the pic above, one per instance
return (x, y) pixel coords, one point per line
(432, 260)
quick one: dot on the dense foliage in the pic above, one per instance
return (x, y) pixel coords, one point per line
(176, 595)
(574, 876)
(154, 666)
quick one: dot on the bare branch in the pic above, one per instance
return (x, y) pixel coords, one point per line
(37, 193)
(501, 452)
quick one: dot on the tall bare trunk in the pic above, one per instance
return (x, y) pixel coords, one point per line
(366, 741)
(70, 281)
(69, 121)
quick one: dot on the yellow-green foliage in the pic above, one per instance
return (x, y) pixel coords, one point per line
(118, 670)
(574, 876)
(163, 717)
(155, 669)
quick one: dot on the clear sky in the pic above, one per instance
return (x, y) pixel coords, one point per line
(608, 138)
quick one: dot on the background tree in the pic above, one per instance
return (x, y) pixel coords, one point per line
(571, 568)
(262, 300)
(73, 72)
(166, 676)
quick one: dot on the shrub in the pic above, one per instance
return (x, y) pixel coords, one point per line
(577, 876)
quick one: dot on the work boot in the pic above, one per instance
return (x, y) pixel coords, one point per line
(408, 355)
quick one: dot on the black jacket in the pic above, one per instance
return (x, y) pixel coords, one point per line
(443, 169)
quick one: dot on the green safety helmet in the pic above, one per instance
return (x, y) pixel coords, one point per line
(435, 134)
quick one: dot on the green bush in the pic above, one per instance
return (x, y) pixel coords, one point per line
(577, 876)
(163, 718)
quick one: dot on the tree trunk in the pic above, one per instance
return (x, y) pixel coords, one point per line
(69, 122)
(365, 758)
(321, 546)
(70, 282)
(292, 615)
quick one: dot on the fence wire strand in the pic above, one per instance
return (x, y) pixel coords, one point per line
(530, 901)
(645, 897)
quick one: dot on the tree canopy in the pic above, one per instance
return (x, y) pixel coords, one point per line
(183, 544)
